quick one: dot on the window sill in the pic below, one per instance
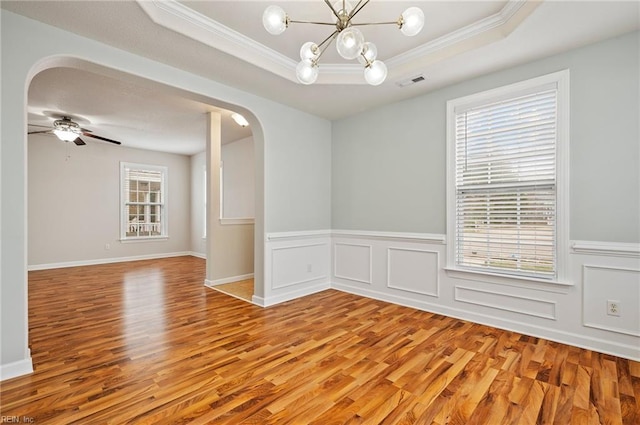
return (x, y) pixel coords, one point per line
(230, 221)
(145, 239)
(507, 279)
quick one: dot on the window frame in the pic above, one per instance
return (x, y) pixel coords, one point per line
(164, 205)
(561, 81)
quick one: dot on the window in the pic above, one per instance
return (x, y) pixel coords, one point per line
(143, 201)
(507, 158)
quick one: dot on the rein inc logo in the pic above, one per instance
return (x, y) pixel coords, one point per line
(17, 420)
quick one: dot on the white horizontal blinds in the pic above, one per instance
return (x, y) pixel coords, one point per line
(506, 185)
(145, 202)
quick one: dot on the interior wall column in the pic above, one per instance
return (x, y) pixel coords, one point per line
(214, 142)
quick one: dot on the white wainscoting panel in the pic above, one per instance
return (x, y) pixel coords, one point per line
(297, 264)
(413, 270)
(353, 262)
(508, 302)
(621, 285)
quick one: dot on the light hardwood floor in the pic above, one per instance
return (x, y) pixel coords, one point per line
(242, 289)
(147, 343)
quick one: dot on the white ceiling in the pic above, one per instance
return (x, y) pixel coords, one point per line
(225, 41)
(139, 116)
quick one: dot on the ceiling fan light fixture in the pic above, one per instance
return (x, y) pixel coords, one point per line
(239, 119)
(67, 135)
(66, 130)
(350, 41)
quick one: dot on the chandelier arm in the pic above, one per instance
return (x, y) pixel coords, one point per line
(357, 9)
(326, 41)
(335, 12)
(375, 23)
(313, 22)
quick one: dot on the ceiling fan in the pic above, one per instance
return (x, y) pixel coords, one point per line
(69, 131)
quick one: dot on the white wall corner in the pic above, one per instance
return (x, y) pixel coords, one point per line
(198, 255)
(15, 369)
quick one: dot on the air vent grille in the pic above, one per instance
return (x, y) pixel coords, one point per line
(411, 80)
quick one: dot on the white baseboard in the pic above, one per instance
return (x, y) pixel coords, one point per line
(582, 341)
(15, 369)
(106, 261)
(210, 283)
(291, 295)
(259, 301)
(198, 255)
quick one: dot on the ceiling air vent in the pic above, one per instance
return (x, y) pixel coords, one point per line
(412, 80)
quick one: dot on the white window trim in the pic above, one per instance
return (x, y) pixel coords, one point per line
(165, 190)
(561, 80)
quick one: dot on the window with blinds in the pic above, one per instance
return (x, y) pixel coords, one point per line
(143, 201)
(504, 162)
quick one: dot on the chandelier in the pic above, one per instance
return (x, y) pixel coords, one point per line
(350, 42)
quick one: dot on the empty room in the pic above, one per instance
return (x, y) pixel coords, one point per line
(320, 212)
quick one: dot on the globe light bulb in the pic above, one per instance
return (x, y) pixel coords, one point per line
(337, 6)
(349, 43)
(309, 51)
(307, 72)
(369, 53)
(274, 20)
(412, 21)
(375, 73)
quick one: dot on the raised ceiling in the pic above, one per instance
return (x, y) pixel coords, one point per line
(225, 41)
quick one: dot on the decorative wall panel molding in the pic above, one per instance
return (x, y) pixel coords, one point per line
(508, 302)
(353, 262)
(396, 236)
(602, 284)
(617, 249)
(297, 264)
(413, 270)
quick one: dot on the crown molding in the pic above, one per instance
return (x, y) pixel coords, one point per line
(469, 32)
(177, 17)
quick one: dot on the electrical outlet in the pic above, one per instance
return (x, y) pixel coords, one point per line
(309, 268)
(107, 246)
(613, 308)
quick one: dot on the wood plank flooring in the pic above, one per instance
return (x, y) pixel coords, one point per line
(147, 343)
(242, 289)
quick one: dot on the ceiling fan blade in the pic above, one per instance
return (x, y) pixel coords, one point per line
(85, 133)
(37, 125)
(40, 131)
(79, 141)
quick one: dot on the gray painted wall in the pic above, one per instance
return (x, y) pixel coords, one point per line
(74, 199)
(238, 187)
(389, 163)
